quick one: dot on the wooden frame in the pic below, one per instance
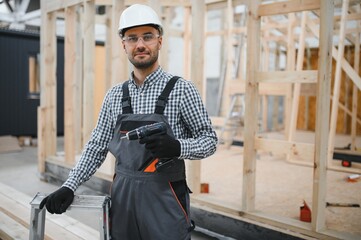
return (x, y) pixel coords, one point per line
(258, 82)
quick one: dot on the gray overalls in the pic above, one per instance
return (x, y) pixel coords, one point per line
(147, 203)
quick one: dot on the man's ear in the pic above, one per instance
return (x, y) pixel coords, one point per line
(125, 50)
(160, 39)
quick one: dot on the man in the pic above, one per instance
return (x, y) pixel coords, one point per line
(150, 197)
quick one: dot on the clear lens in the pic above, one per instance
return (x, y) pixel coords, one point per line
(148, 38)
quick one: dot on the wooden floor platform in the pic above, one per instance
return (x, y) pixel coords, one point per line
(15, 219)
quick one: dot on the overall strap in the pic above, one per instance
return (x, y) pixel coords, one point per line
(163, 98)
(126, 103)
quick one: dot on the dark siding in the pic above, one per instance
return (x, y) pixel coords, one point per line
(19, 112)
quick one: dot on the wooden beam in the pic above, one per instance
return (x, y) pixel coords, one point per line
(48, 80)
(219, 4)
(322, 117)
(294, 149)
(41, 114)
(354, 89)
(337, 81)
(264, 88)
(197, 75)
(349, 17)
(252, 99)
(306, 76)
(88, 70)
(55, 5)
(297, 85)
(356, 79)
(187, 43)
(78, 82)
(285, 7)
(69, 84)
(291, 55)
(119, 59)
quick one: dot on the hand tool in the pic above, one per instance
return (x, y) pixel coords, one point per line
(144, 131)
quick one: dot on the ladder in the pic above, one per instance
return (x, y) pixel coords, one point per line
(234, 121)
(99, 203)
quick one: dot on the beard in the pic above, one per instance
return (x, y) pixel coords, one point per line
(144, 64)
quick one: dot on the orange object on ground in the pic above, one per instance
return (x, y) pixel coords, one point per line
(305, 212)
(353, 178)
(204, 188)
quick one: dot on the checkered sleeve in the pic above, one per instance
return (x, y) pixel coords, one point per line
(202, 140)
(96, 149)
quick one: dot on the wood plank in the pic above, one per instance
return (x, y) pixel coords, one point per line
(48, 79)
(78, 83)
(56, 225)
(11, 230)
(220, 4)
(88, 70)
(297, 85)
(306, 76)
(119, 60)
(285, 7)
(187, 43)
(69, 84)
(55, 5)
(41, 139)
(356, 79)
(291, 56)
(278, 223)
(9, 144)
(294, 149)
(21, 214)
(322, 115)
(252, 100)
(354, 89)
(337, 80)
(197, 75)
(265, 88)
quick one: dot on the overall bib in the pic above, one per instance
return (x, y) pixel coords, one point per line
(147, 203)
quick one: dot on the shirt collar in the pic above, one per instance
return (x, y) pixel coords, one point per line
(151, 78)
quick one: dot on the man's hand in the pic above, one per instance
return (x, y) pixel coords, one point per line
(162, 145)
(58, 201)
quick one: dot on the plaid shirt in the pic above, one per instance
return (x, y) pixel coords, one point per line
(186, 114)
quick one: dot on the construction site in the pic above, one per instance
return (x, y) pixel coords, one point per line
(280, 81)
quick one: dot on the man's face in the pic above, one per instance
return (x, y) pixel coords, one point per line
(142, 45)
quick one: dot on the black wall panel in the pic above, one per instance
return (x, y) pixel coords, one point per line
(18, 112)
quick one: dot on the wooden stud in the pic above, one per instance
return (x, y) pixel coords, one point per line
(119, 59)
(252, 99)
(55, 5)
(187, 40)
(285, 7)
(78, 82)
(48, 79)
(323, 110)
(41, 139)
(108, 46)
(297, 86)
(306, 76)
(294, 149)
(354, 89)
(291, 52)
(337, 82)
(69, 84)
(197, 76)
(88, 74)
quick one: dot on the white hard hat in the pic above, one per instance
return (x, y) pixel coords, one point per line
(138, 15)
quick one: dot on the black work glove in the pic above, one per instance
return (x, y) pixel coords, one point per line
(58, 201)
(162, 145)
